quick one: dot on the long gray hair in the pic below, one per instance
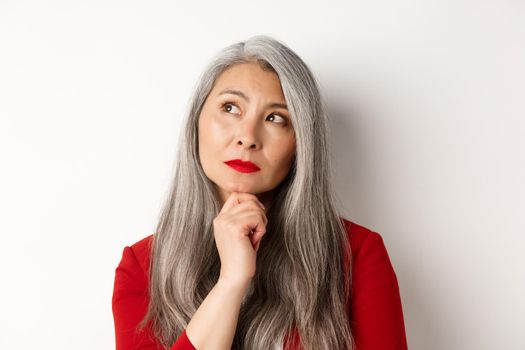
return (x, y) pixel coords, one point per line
(300, 281)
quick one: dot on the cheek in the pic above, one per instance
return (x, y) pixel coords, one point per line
(206, 132)
(211, 129)
(284, 155)
(204, 142)
(290, 147)
(212, 141)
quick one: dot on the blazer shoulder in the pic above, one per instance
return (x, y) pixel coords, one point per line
(358, 235)
(142, 251)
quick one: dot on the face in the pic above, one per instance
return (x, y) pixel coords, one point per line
(245, 117)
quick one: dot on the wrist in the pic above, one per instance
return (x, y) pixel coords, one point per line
(234, 283)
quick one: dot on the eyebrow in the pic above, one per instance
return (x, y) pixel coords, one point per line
(243, 95)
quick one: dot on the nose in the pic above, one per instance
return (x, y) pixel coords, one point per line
(247, 136)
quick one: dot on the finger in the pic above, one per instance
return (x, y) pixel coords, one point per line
(247, 205)
(251, 223)
(244, 196)
(230, 202)
(257, 227)
(257, 243)
(249, 213)
(239, 197)
(256, 237)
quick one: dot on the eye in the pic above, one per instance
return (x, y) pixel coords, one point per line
(229, 107)
(283, 119)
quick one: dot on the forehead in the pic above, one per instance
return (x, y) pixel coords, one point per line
(251, 78)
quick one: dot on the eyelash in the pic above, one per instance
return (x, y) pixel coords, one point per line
(234, 104)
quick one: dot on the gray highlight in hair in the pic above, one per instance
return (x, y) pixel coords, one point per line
(300, 281)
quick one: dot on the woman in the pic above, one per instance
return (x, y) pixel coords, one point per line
(250, 251)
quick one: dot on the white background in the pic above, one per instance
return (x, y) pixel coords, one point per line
(427, 102)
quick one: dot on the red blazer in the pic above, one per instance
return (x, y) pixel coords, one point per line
(376, 316)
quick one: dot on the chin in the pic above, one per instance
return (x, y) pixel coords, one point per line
(241, 187)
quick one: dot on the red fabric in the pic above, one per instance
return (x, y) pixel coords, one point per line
(376, 316)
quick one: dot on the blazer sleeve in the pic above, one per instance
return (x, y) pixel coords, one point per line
(376, 311)
(129, 304)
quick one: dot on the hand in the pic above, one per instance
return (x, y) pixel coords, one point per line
(238, 229)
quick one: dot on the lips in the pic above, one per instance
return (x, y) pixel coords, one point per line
(242, 166)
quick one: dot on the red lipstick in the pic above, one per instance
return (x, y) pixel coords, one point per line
(242, 166)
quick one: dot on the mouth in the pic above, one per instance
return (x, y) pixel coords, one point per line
(242, 166)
